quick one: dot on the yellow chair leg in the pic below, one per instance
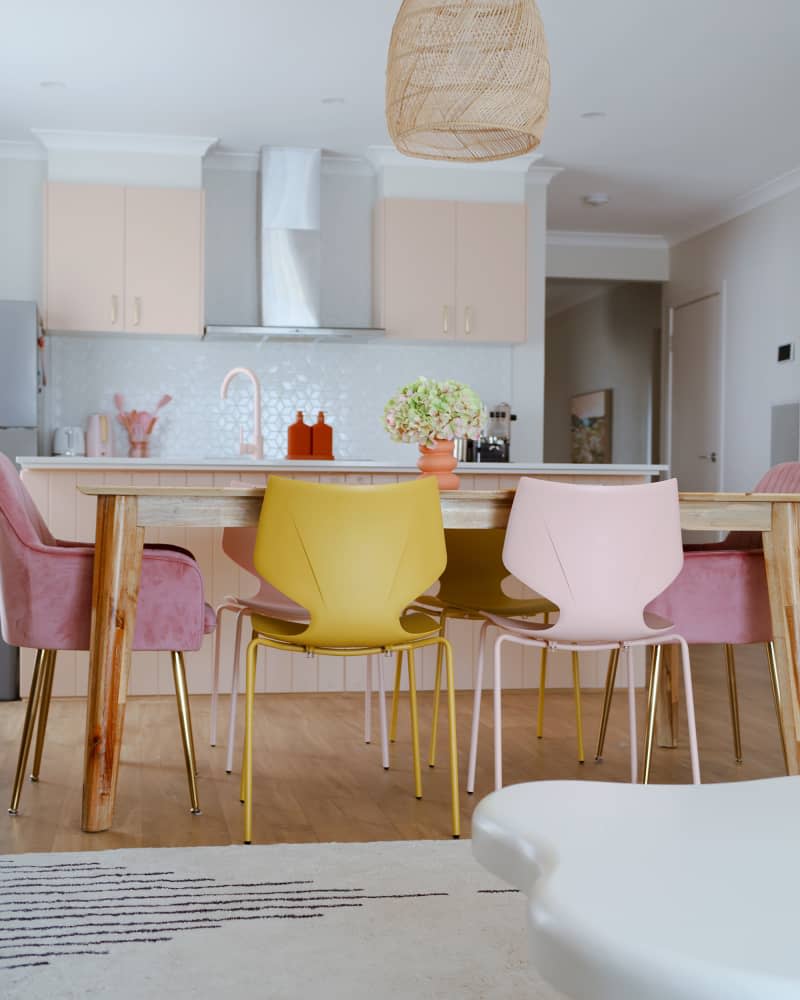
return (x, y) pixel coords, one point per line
(733, 696)
(396, 696)
(576, 682)
(437, 685)
(412, 697)
(44, 711)
(652, 701)
(611, 677)
(776, 694)
(37, 682)
(451, 718)
(187, 737)
(542, 683)
(247, 768)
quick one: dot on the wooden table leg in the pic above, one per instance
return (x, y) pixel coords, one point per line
(117, 566)
(668, 694)
(782, 557)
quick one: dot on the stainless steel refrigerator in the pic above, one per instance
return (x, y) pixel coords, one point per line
(19, 388)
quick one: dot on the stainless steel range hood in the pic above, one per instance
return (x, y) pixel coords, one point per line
(290, 254)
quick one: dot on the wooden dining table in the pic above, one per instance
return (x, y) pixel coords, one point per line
(124, 512)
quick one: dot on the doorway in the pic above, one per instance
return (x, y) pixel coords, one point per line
(695, 393)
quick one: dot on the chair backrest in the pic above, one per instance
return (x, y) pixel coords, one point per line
(22, 533)
(354, 556)
(601, 553)
(474, 575)
(783, 478)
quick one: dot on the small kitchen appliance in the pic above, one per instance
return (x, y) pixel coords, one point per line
(98, 436)
(68, 441)
(495, 442)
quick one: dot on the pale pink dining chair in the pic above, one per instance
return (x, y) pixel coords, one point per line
(238, 544)
(721, 597)
(601, 554)
(46, 605)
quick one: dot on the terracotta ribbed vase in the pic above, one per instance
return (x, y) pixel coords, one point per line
(438, 460)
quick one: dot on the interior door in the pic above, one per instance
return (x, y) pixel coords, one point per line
(696, 395)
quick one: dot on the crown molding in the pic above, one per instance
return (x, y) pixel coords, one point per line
(332, 163)
(616, 241)
(758, 196)
(11, 149)
(388, 156)
(61, 140)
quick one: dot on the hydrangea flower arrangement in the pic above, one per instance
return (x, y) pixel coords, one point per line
(425, 410)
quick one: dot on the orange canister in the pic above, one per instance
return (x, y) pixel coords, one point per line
(299, 438)
(322, 438)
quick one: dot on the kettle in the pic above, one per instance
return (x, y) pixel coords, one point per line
(68, 441)
(98, 435)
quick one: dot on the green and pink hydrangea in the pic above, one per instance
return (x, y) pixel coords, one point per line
(426, 409)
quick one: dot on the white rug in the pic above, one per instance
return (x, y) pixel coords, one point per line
(415, 919)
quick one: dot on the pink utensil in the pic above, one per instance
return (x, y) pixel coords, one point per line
(139, 424)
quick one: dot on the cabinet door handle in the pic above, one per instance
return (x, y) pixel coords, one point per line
(468, 320)
(445, 319)
(137, 310)
(114, 309)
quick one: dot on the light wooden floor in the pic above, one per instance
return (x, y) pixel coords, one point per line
(316, 780)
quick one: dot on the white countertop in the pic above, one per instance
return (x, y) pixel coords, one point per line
(236, 463)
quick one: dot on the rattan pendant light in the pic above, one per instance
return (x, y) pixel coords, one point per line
(467, 80)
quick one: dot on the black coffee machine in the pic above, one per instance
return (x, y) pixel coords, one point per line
(495, 442)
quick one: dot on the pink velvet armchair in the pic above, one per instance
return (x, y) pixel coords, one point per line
(46, 601)
(720, 596)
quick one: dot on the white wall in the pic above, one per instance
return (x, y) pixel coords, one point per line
(756, 255)
(21, 184)
(611, 341)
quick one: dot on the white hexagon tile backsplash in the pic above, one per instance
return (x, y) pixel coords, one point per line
(350, 382)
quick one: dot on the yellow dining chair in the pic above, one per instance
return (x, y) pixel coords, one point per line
(470, 587)
(355, 557)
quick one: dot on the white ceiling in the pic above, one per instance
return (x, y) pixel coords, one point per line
(700, 95)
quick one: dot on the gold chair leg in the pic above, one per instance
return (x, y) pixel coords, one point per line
(44, 710)
(652, 702)
(247, 763)
(611, 676)
(542, 682)
(576, 683)
(733, 695)
(451, 719)
(396, 696)
(412, 697)
(37, 682)
(437, 686)
(187, 738)
(776, 694)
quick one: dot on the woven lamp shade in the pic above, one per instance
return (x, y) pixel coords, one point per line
(467, 80)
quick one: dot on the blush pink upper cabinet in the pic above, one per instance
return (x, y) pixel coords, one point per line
(491, 272)
(414, 274)
(163, 260)
(124, 259)
(451, 271)
(84, 256)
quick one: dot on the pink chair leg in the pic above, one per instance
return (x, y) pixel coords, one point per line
(498, 713)
(237, 658)
(368, 701)
(690, 720)
(382, 714)
(215, 675)
(476, 709)
(632, 715)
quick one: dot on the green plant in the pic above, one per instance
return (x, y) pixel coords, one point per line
(426, 409)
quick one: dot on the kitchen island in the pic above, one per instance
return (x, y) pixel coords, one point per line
(54, 482)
